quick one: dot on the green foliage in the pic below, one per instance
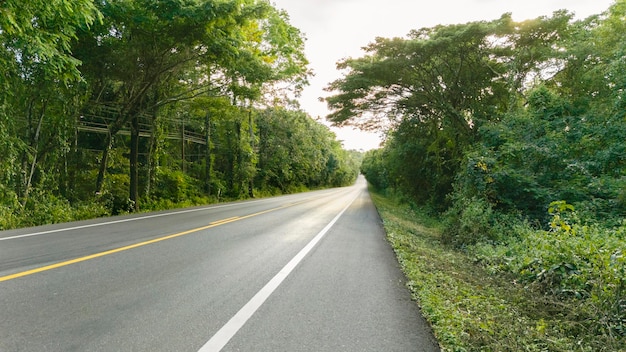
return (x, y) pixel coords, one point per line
(373, 167)
(500, 109)
(295, 151)
(39, 32)
(572, 262)
(469, 222)
(544, 153)
(175, 186)
(8, 218)
(115, 194)
(158, 71)
(437, 75)
(440, 86)
(43, 207)
(146, 56)
(543, 121)
(89, 210)
(471, 308)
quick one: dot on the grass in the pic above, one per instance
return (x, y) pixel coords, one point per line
(470, 309)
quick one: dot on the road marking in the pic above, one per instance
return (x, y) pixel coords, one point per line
(221, 338)
(224, 221)
(124, 220)
(140, 244)
(135, 219)
(97, 255)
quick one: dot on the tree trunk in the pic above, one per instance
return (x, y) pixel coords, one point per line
(236, 179)
(71, 160)
(152, 159)
(208, 164)
(103, 163)
(134, 163)
(113, 130)
(35, 146)
(251, 133)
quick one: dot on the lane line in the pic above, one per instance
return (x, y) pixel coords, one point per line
(226, 333)
(140, 244)
(138, 218)
(122, 221)
(223, 221)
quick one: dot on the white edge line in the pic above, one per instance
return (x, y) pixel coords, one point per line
(223, 336)
(123, 220)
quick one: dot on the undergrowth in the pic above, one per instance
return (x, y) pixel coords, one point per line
(471, 308)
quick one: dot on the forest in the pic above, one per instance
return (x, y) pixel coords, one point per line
(514, 133)
(109, 107)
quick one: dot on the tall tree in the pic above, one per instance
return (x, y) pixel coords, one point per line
(438, 86)
(41, 31)
(296, 151)
(147, 45)
(436, 74)
(434, 88)
(39, 79)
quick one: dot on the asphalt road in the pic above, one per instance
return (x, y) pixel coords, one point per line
(305, 272)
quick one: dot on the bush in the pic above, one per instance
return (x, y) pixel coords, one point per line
(89, 210)
(175, 186)
(8, 218)
(468, 222)
(570, 261)
(8, 206)
(114, 195)
(473, 309)
(374, 169)
(43, 207)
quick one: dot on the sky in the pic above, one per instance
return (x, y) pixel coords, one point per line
(336, 29)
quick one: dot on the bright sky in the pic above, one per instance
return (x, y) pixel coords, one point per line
(336, 29)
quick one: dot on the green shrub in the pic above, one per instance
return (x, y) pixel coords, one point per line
(468, 222)
(8, 209)
(8, 218)
(115, 195)
(473, 309)
(89, 210)
(570, 261)
(175, 186)
(43, 207)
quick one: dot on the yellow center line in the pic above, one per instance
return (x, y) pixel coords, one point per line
(224, 221)
(136, 245)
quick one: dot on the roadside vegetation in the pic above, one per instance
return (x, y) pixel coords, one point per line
(476, 307)
(108, 107)
(512, 135)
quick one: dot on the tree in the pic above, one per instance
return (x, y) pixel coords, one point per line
(295, 151)
(146, 46)
(41, 31)
(444, 74)
(566, 142)
(39, 86)
(592, 76)
(436, 88)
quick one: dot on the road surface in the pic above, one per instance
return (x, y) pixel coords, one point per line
(304, 272)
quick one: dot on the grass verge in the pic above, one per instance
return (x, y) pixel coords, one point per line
(468, 308)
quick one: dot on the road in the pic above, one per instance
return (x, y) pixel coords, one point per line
(304, 272)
